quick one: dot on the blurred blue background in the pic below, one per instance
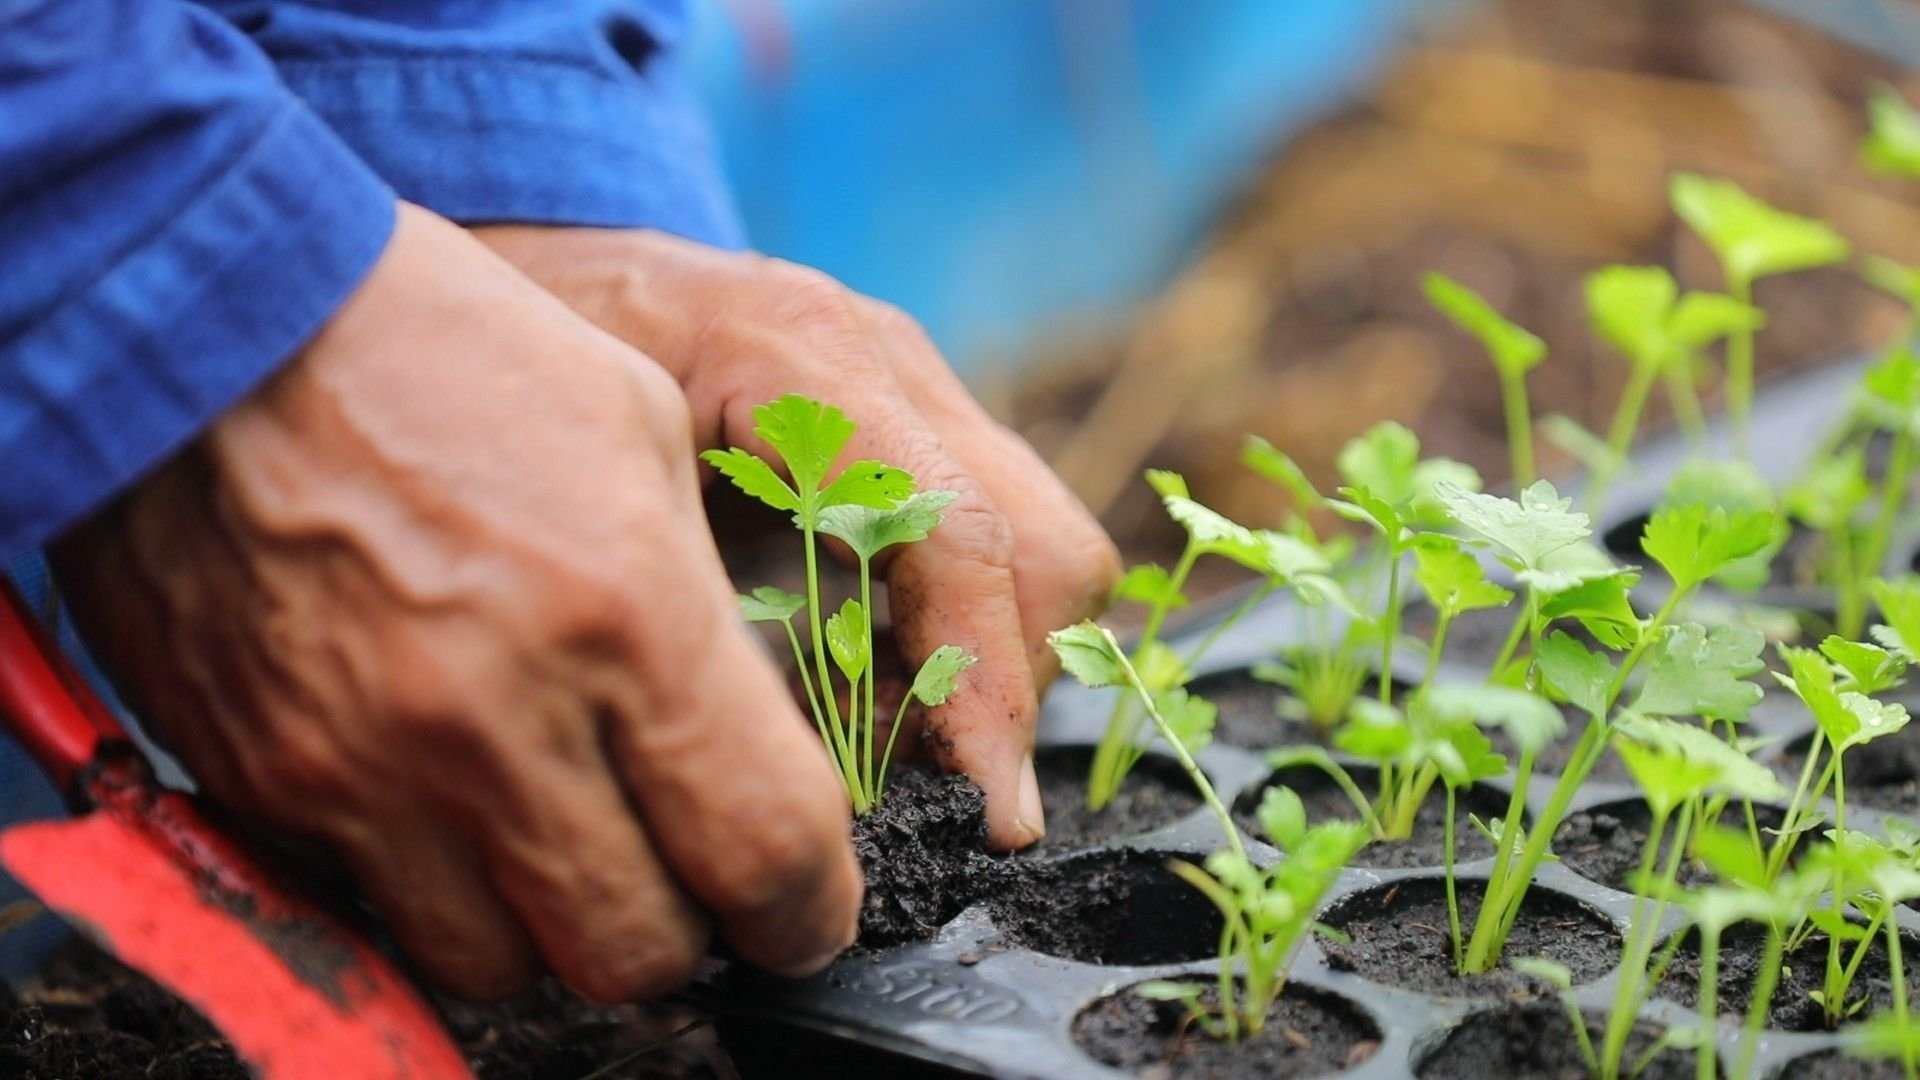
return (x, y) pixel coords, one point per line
(1001, 166)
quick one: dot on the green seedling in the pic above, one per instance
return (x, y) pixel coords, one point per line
(1686, 775)
(1267, 913)
(1892, 145)
(1640, 312)
(870, 506)
(1691, 670)
(1389, 488)
(1282, 560)
(1514, 351)
(1860, 878)
(1752, 240)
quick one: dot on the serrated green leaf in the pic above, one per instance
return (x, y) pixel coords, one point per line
(849, 639)
(1381, 460)
(868, 530)
(1601, 605)
(1090, 654)
(1899, 603)
(1568, 568)
(1894, 381)
(870, 484)
(1846, 718)
(1870, 668)
(1150, 584)
(768, 604)
(1190, 718)
(1366, 508)
(1751, 238)
(1528, 719)
(1892, 145)
(806, 434)
(1168, 484)
(1693, 671)
(1529, 530)
(1513, 349)
(1580, 676)
(1283, 817)
(1693, 542)
(753, 476)
(1453, 580)
(1160, 667)
(1673, 762)
(940, 675)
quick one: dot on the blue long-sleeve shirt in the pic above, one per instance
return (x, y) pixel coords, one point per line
(187, 191)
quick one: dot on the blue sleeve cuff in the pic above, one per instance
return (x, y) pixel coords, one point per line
(527, 138)
(123, 372)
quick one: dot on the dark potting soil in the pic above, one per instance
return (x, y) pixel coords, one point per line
(1741, 952)
(1399, 937)
(1883, 774)
(1109, 907)
(1425, 848)
(1156, 793)
(1537, 1040)
(1249, 712)
(88, 1015)
(924, 853)
(1307, 1033)
(1606, 844)
(1553, 759)
(1836, 1065)
(1474, 638)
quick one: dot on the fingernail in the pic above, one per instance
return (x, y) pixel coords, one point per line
(1033, 815)
(812, 966)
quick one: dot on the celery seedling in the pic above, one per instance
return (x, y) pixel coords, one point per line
(1267, 912)
(1892, 145)
(870, 506)
(1514, 351)
(1691, 543)
(1281, 560)
(1640, 312)
(1752, 240)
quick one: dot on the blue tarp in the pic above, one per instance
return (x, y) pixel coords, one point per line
(996, 166)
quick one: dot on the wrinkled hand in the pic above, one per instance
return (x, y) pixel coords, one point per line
(441, 593)
(1017, 555)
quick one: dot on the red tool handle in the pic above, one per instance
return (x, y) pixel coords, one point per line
(43, 701)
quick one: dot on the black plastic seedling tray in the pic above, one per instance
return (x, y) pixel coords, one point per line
(980, 999)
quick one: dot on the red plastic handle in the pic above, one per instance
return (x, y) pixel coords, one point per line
(43, 701)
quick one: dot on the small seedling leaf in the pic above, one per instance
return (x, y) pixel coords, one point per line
(1892, 145)
(871, 484)
(1673, 762)
(1693, 671)
(1090, 654)
(1453, 580)
(1580, 676)
(753, 476)
(1513, 349)
(1629, 306)
(1870, 668)
(1265, 459)
(1283, 817)
(1529, 720)
(1692, 542)
(940, 675)
(868, 530)
(768, 604)
(1150, 584)
(806, 434)
(1536, 526)
(849, 639)
(1751, 238)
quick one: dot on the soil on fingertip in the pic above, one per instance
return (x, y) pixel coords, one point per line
(1426, 847)
(1606, 844)
(1155, 794)
(1307, 1033)
(1398, 935)
(1742, 951)
(923, 851)
(1537, 1040)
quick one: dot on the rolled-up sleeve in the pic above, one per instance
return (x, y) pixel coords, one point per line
(174, 224)
(567, 112)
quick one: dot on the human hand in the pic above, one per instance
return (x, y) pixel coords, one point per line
(441, 594)
(1017, 555)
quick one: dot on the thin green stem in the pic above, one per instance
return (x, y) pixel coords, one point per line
(1391, 629)
(1194, 773)
(1118, 749)
(1685, 397)
(1892, 495)
(1740, 369)
(864, 718)
(849, 764)
(1626, 421)
(1626, 996)
(1239, 612)
(1518, 633)
(1453, 899)
(1782, 849)
(1762, 1002)
(1439, 646)
(1709, 1001)
(1513, 395)
(806, 680)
